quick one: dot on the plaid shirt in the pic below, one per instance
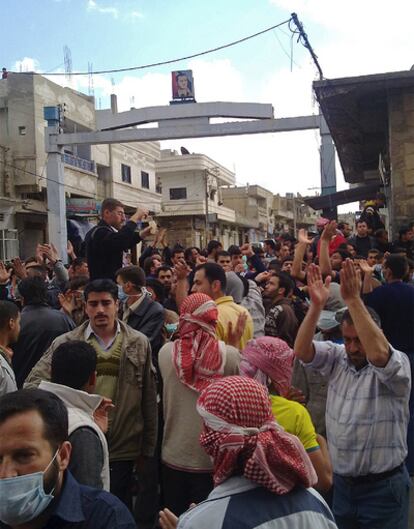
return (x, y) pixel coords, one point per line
(366, 411)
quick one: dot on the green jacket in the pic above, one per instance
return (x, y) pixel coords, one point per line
(133, 430)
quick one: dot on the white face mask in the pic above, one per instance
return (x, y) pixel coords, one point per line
(23, 498)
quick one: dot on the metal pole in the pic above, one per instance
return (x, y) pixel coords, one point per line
(207, 226)
(294, 216)
(56, 203)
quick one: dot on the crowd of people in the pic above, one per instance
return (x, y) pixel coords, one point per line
(262, 385)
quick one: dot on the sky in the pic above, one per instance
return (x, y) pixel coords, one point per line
(356, 37)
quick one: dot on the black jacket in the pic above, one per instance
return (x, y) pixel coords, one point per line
(40, 325)
(104, 248)
(149, 319)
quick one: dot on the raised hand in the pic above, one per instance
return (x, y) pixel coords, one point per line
(350, 281)
(247, 249)
(263, 277)
(168, 520)
(329, 231)
(100, 415)
(39, 254)
(50, 251)
(303, 237)
(318, 290)
(4, 274)
(234, 334)
(70, 250)
(364, 266)
(19, 268)
(67, 302)
(182, 270)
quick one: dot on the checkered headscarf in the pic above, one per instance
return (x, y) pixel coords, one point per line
(242, 437)
(268, 357)
(196, 354)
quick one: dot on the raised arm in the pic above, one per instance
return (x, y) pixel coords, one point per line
(372, 338)
(319, 293)
(300, 250)
(326, 237)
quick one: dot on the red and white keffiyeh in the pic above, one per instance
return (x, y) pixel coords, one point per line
(268, 357)
(197, 357)
(242, 437)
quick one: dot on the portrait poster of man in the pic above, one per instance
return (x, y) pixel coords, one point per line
(182, 84)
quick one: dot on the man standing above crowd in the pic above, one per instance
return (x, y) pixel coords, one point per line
(362, 241)
(9, 333)
(106, 242)
(124, 374)
(367, 408)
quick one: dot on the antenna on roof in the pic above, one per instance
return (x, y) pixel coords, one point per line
(91, 90)
(67, 59)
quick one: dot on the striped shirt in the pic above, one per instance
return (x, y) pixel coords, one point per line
(366, 411)
(240, 503)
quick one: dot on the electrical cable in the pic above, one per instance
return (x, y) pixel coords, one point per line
(170, 61)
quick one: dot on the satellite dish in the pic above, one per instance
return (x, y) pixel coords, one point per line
(184, 150)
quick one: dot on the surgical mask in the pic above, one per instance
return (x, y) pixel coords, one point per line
(171, 328)
(121, 294)
(23, 498)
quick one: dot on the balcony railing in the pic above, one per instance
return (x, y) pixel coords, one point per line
(80, 163)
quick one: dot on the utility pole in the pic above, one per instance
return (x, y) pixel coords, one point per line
(56, 200)
(207, 224)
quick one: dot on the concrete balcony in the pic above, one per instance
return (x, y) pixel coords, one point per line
(179, 208)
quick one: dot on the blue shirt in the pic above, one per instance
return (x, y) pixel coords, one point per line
(394, 303)
(82, 507)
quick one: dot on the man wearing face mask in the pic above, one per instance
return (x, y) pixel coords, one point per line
(36, 487)
(139, 311)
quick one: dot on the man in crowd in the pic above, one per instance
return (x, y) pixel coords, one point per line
(139, 311)
(40, 325)
(210, 279)
(73, 379)
(37, 489)
(187, 365)
(106, 242)
(224, 260)
(280, 321)
(367, 408)
(151, 265)
(362, 241)
(213, 248)
(165, 276)
(78, 268)
(9, 333)
(405, 241)
(394, 303)
(262, 474)
(124, 374)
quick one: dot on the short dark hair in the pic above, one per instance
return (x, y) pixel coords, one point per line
(188, 252)
(110, 204)
(398, 265)
(33, 290)
(287, 259)
(271, 243)
(214, 272)
(285, 281)
(102, 285)
(49, 406)
(158, 289)
(76, 283)
(213, 245)
(404, 230)
(374, 250)
(223, 253)
(132, 273)
(163, 268)
(346, 317)
(234, 250)
(361, 221)
(8, 311)
(73, 363)
(177, 249)
(148, 264)
(343, 253)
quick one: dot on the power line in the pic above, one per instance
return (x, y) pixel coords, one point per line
(170, 61)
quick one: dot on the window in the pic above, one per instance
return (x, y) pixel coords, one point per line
(22, 131)
(144, 180)
(178, 193)
(158, 188)
(126, 173)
